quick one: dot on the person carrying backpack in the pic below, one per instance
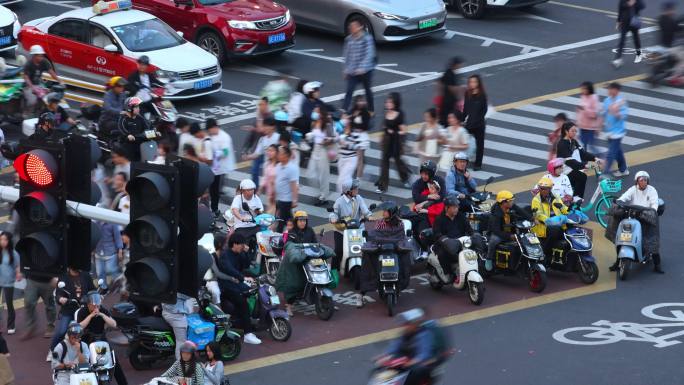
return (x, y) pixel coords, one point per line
(423, 342)
(69, 353)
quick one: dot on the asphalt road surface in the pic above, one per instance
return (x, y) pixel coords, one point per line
(530, 62)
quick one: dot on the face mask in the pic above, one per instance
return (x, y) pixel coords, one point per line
(315, 116)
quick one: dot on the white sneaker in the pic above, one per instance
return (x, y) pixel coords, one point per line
(637, 59)
(619, 173)
(49, 357)
(617, 63)
(11, 331)
(251, 339)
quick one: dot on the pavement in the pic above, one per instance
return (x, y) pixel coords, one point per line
(531, 63)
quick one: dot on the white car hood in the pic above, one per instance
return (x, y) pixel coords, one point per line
(6, 16)
(404, 7)
(184, 57)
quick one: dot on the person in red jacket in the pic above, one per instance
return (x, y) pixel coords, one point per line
(431, 207)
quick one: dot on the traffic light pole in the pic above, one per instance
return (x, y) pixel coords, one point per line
(11, 194)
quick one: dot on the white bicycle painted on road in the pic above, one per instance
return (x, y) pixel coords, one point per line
(606, 332)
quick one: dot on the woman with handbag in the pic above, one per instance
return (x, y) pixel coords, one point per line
(323, 137)
(588, 116)
(628, 20)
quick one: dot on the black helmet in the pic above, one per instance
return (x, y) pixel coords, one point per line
(45, 118)
(94, 298)
(277, 245)
(451, 200)
(144, 59)
(429, 167)
(391, 207)
(74, 329)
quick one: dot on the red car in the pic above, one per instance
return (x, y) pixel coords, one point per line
(228, 28)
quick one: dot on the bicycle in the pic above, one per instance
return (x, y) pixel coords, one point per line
(603, 198)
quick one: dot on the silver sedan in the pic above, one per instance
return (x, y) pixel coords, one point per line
(387, 20)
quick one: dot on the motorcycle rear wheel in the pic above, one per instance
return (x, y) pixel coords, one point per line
(391, 300)
(325, 308)
(136, 362)
(230, 349)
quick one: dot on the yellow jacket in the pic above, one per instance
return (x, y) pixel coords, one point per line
(544, 212)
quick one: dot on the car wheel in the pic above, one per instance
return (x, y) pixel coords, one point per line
(212, 43)
(361, 19)
(472, 9)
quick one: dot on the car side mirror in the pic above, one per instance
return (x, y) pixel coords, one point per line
(179, 33)
(111, 48)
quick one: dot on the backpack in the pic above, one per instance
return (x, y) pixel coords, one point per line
(441, 345)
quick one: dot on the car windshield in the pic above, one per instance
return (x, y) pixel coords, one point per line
(214, 2)
(147, 35)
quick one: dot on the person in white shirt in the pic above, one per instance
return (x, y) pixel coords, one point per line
(223, 160)
(644, 195)
(185, 136)
(323, 136)
(244, 219)
(562, 188)
(270, 137)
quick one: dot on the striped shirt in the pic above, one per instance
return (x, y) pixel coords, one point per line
(349, 143)
(359, 54)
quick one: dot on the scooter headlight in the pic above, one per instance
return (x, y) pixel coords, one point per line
(355, 249)
(467, 243)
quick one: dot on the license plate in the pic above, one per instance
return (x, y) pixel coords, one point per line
(427, 23)
(388, 262)
(5, 40)
(277, 38)
(150, 134)
(316, 261)
(355, 238)
(626, 237)
(202, 84)
(275, 300)
(533, 239)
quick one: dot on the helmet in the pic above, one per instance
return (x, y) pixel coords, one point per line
(642, 174)
(144, 59)
(430, 167)
(46, 117)
(451, 200)
(94, 298)
(188, 347)
(301, 214)
(280, 115)
(544, 183)
(311, 86)
(133, 102)
(117, 81)
(389, 206)
(277, 245)
(53, 97)
(350, 185)
(460, 156)
(554, 164)
(410, 316)
(74, 329)
(247, 184)
(36, 50)
(504, 195)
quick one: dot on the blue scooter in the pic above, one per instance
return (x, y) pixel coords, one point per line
(573, 252)
(629, 238)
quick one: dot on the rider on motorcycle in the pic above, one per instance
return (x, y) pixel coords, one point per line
(561, 183)
(459, 181)
(33, 71)
(418, 343)
(244, 220)
(421, 193)
(62, 119)
(500, 225)
(644, 195)
(113, 104)
(302, 232)
(44, 127)
(349, 206)
(69, 353)
(132, 127)
(141, 82)
(544, 209)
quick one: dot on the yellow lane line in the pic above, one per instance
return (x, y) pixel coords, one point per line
(598, 10)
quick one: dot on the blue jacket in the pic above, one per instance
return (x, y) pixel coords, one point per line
(233, 265)
(457, 183)
(613, 126)
(418, 346)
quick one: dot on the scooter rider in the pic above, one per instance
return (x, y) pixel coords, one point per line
(302, 232)
(68, 354)
(132, 127)
(349, 206)
(500, 225)
(113, 104)
(94, 319)
(644, 195)
(62, 119)
(544, 209)
(459, 181)
(244, 220)
(562, 188)
(44, 127)
(421, 193)
(33, 71)
(141, 82)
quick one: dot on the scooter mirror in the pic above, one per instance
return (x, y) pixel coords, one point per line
(100, 282)
(489, 180)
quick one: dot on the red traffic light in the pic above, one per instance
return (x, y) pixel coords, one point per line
(37, 167)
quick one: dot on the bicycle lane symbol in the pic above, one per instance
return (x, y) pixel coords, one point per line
(605, 332)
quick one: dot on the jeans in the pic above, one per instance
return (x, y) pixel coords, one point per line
(635, 36)
(615, 153)
(179, 324)
(492, 244)
(60, 331)
(352, 82)
(256, 169)
(107, 266)
(9, 298)
(34, 290)
(215, 192)
(588, 137)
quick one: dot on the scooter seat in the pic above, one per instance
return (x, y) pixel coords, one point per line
(154, 323)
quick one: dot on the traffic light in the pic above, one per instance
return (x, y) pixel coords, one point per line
(42, 207)
(195, 221)
(152, 272)
(82, 154)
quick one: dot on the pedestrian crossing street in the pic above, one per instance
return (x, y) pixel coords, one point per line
(516, 143)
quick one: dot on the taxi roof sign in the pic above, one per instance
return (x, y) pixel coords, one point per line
(103, 7)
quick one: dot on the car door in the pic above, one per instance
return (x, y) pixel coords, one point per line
(330, 12)
(301, 10)
(67, 48)
(177, 16)
(101, 63)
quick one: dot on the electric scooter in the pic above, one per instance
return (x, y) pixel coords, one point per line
(629, 237)
(352, 240)
(317, 272)
(266, 256)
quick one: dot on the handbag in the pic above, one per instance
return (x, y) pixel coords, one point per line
(635, 22)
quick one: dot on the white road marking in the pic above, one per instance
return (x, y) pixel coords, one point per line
(341, 60)
(535, 17)
(449, 34)
(227, 91)
(487, 41)
(258, 70)
(312, 50)
(470, 68)
(388, 65)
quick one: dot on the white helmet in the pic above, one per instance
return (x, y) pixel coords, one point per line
(642, 174)
(37, 50)
(311, 86)
(247, 184)
(460, 156)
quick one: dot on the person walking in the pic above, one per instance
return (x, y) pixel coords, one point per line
(628, 20)
(450, 90)
(614, 113)
(109, 251)
(323, 137)
(588, 116)
(392, 143)
(286, 185)
(348, 156)
(223, 161)
(430, 136)
(9, 273)
(360, 119)
(269, 137)
(474, 110)
(456, 140)
(359, 62)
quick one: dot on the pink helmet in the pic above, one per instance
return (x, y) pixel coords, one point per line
(553, 164)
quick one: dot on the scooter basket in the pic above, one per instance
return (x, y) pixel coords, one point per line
(611, 186)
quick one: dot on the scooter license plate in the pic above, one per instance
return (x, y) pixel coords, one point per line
(316, 261)
(533, 239)
(626, 237)
(388, 262)
(275, 300)
(355, 238)
(150, 134)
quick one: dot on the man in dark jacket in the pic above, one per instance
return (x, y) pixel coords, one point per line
(421, 193)
(44, 127)
(76, 285)
(500, 225)
(132, 127)
(233, 261)
(141, 82)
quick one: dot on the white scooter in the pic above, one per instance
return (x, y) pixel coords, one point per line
(102, 362)
(352, 240)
